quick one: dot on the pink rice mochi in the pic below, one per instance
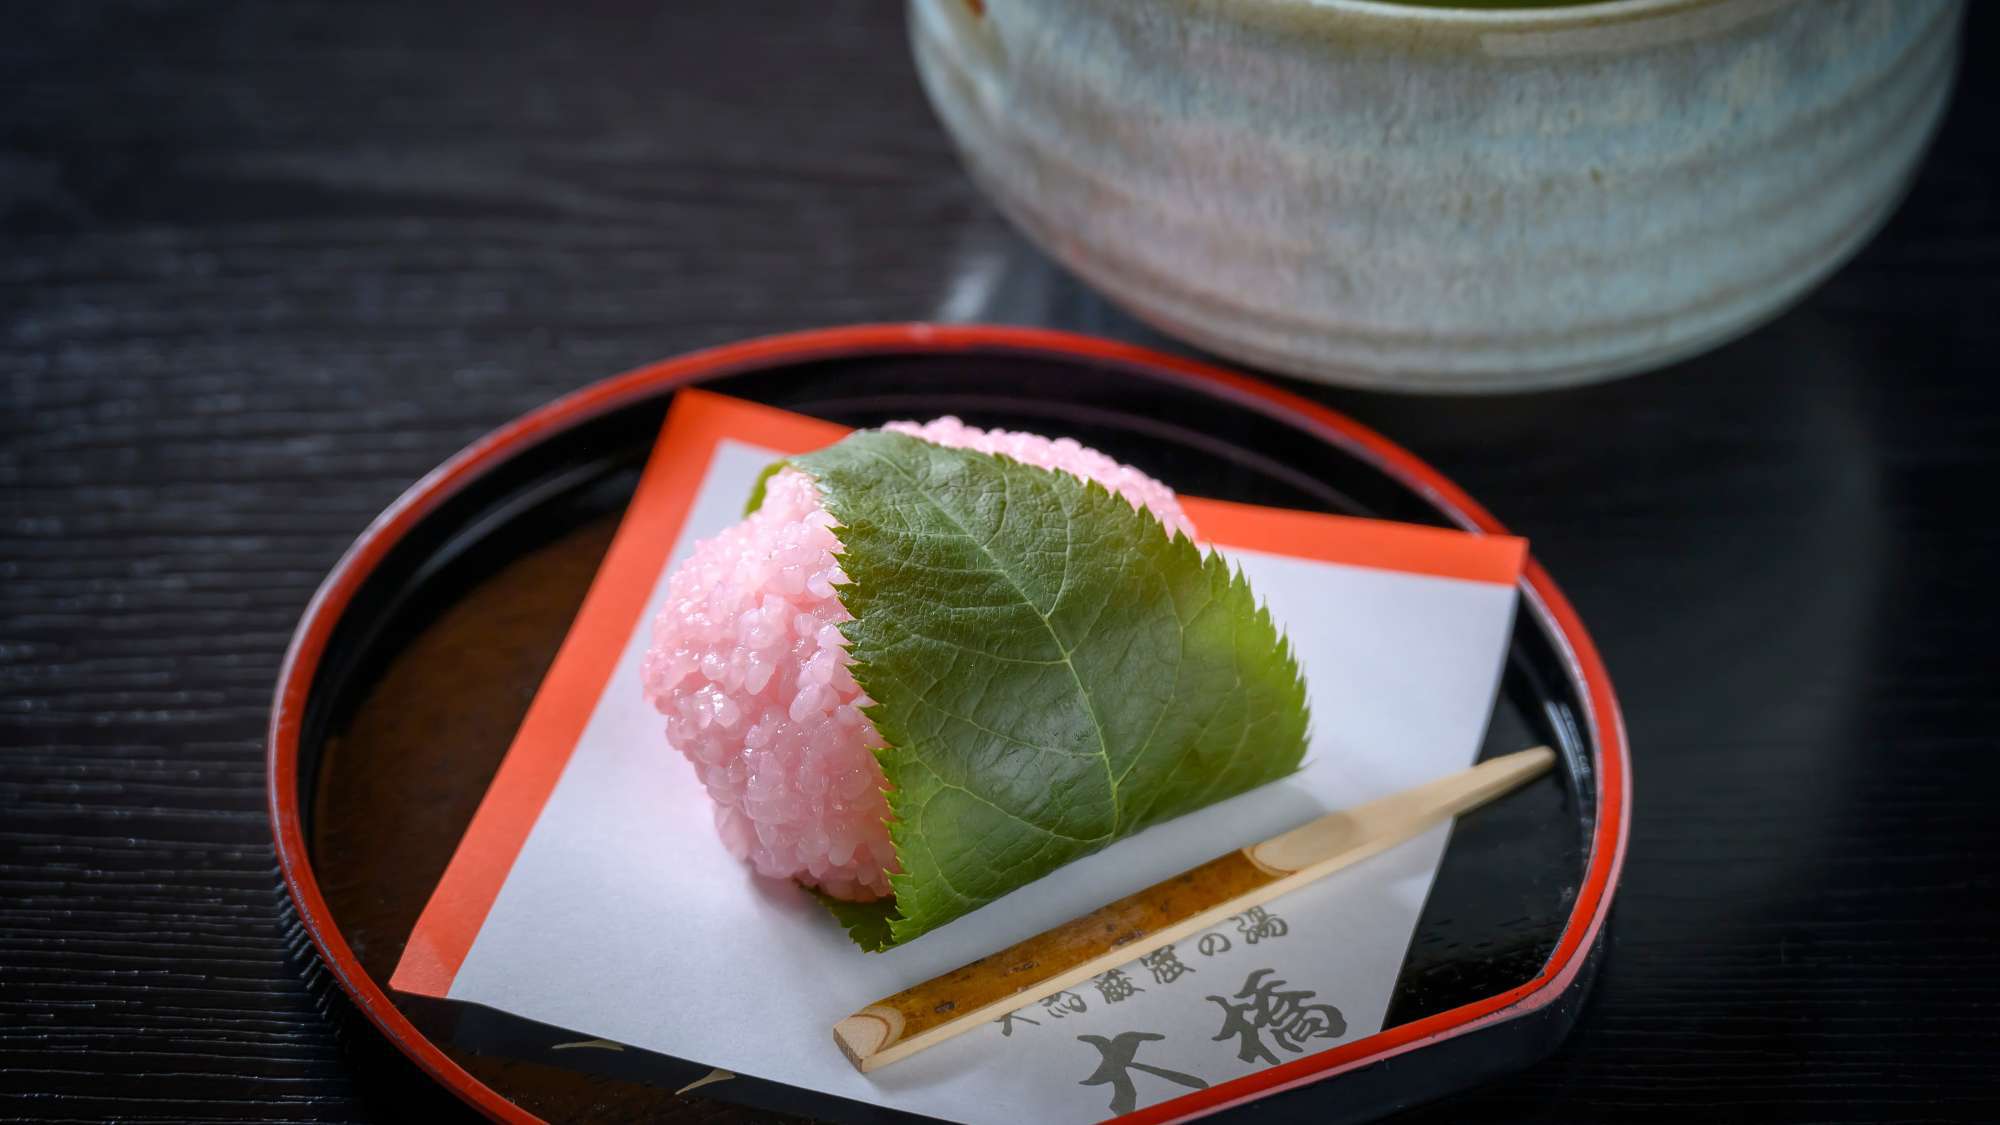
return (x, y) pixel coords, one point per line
(751, 671)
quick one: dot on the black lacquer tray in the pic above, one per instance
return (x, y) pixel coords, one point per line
(418, 657)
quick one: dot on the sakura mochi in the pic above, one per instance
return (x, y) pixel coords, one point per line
(934, 662)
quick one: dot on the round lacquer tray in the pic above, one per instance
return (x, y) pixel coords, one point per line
(419, 655)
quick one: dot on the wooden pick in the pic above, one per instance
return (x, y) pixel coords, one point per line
(927, 1014)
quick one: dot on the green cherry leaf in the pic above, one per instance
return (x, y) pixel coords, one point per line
(1051, 670)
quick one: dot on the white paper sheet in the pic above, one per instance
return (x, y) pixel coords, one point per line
(624, 918)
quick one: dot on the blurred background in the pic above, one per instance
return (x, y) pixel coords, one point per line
(266, 264)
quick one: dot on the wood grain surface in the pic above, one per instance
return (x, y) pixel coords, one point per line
(262, 265)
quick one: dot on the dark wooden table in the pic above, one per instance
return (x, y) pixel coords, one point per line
(262, 265)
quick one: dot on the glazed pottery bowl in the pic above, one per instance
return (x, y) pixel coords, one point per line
(1438, 198)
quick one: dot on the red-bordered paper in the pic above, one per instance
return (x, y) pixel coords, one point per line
(696, 424)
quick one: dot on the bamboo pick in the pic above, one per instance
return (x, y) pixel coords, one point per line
(924, 1015)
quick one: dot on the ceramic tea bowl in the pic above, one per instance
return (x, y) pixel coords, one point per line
(1443, 198)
